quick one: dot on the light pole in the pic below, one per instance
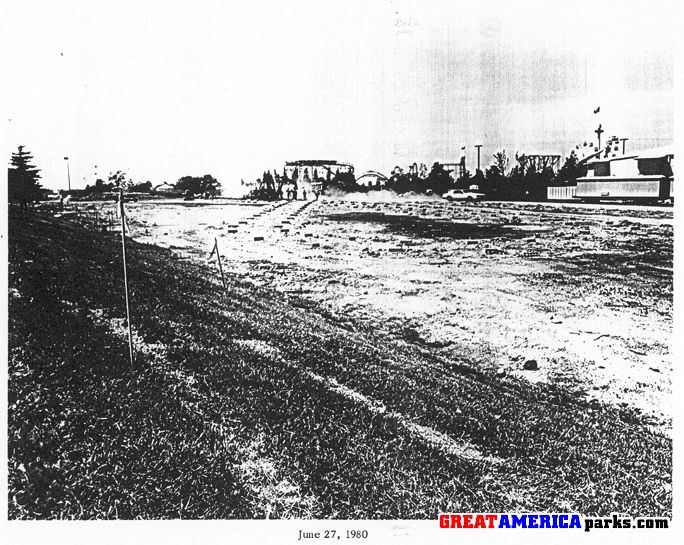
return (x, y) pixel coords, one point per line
(68, 173)
(478, 146)
(623, 144)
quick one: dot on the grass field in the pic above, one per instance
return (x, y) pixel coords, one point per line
(254, 403)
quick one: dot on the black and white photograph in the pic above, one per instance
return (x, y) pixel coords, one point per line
(310, 272)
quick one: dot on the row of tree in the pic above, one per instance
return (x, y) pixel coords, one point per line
(23, 182)
(524, 182)
(498, 181)
(100, 186)
(205, 185)
(270, 185)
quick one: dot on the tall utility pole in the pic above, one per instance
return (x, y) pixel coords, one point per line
(68, 173)
(623, 140)
(463, 162)
(478, 146)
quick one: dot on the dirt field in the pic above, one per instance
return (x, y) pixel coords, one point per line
(584, 291)
(382, 378)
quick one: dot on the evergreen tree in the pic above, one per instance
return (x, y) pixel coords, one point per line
(501, 161)
(23, 185)
(478, 179)
(438, 180)
(570, 171)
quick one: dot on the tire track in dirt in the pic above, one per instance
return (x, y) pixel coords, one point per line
(441, 442)
(429, 436)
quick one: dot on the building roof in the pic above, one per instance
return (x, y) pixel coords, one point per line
(653, 153)
(314, 163)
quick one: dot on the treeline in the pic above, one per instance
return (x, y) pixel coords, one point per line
(497, 182)
(24, 188)
(206, 185)
(100, 186)
(275, 186)
(523, 181)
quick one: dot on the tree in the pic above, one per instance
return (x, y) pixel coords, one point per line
(199, 185)
(99, 187)
(23, 185)
(527, 182)
(501, 161)
(344, 181)
(478, 179)
(570, 171)
(438, 179)
(144, 187)
(493, 184)
(119, 180)
(463, 179)
(402, 182)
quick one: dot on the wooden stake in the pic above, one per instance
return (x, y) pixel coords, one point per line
(125, 273)
(218, 258)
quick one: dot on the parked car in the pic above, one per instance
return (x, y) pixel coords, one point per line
(462, 195)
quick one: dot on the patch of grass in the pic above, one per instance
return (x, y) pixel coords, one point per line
(210, 426)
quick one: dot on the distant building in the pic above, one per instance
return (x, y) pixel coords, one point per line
(166, 188)
(561, 192)
(539, 162)
(321, 166)
(455, 170)
(611, 175)
(310, 173)
(372, 178)
(646, 175)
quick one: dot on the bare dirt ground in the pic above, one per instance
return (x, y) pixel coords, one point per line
(583, 290)
(362, 360)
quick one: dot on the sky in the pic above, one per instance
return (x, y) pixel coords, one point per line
(232, 88)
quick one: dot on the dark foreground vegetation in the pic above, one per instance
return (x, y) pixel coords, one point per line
(234, 409)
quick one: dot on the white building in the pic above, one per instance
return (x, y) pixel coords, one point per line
(644, 176)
